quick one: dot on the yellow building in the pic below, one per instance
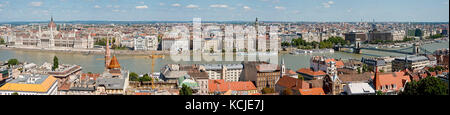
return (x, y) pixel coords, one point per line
(31, 85)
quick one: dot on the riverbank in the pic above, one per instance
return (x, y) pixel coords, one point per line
(98, 51)
(89, 51)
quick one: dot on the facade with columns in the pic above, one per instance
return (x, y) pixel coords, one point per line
(51, 38)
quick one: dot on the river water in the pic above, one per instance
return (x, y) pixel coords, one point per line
(142, 64)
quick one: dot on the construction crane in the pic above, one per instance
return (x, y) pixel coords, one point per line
(153, 57)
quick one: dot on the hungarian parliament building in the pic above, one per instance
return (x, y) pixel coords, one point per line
(51, 37)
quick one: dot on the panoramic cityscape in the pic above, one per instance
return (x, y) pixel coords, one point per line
(235, 47)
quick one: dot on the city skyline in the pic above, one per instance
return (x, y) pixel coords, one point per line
(227, 10)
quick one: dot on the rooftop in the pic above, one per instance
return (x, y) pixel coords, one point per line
(359, 88)
(312, 91)
(412, 58)
(310, 72)
(222, 86)
(30, 83)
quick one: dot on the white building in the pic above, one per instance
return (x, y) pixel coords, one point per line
(359, 89)
(228, 72)
(211, 44)
(146, 43)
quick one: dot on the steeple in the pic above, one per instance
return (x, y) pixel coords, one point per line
(114, 64)
(107, 54)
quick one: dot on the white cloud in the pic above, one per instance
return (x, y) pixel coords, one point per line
(330, 2)
(280, 8)
(296, 12)
(1, 5)
(162, 4)
(327, 4)
(176, 5)
(218, 6)
(141, 2)
(97, 6)
(192, 6)
(36, 3)
(446, 3)
(141, 7)
(116, 6)
(247, 8)
(115, 10)
(349, 10)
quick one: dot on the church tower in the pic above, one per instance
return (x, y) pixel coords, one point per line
(107, 54)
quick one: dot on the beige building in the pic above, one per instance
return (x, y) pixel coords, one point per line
(411, 62)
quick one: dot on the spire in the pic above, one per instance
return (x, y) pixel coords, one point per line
(114, 64)
(107, 54)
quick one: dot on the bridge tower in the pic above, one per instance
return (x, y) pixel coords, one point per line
(357, 49)
(416, 48)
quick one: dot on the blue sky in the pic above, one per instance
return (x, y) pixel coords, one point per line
(225, 10)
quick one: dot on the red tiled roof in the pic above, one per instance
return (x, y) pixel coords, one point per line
(312, 91)
(396, 78)
(142, 93)
(114, 63)
(424, 75)
(64, 86)
(339, 64)
(222, 86)
(433, 73)
(291, 72)
(310, 72)
(294, 83)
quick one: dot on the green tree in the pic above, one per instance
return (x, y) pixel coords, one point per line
(185, 90)
(2, 41)
(287, 91)
(55, 63)
(418, 33)
(359, 70)
(300, 77)
(267, 90)
(365, 68)
(134, 76)
(12, 62)
(427, 86)
(146, 77)
(211, 50)
(379, 92)
(285, 43)
(15, 93)
(436, 36)
(101, 42)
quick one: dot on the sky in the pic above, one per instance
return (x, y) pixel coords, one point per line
(226, 10)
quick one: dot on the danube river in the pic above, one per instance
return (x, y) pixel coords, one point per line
(142, 64)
